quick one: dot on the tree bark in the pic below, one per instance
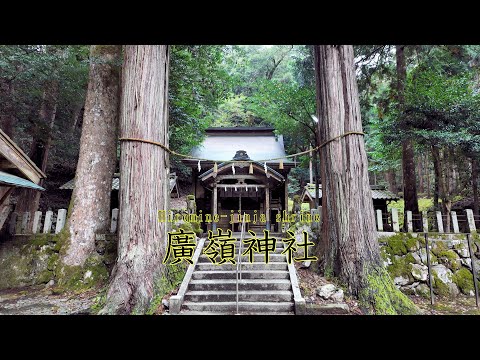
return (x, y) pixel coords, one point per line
(408, 163)
(427, 174)
(475, 186)
(421, 175)
(144, 180)
(29, 199)
(392, 181)
(348, 246)
(317, 179)
(90, 210)
(442, 184)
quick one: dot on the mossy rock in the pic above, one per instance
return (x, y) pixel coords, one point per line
(463, 278)
(400, 267)
(381, 294)
(190, 197)
(52, 262)
(423, 290)
(411, 243)
(81, 278)
(439, 286)
(396, 244)
(449, 258)
(438, 247)
(44, 277)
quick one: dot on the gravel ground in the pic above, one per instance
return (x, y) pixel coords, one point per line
(41, 301)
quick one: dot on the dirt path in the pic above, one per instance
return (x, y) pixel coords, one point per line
(41, 301)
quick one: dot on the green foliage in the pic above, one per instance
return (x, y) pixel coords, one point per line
(464, 280)
(381, 297)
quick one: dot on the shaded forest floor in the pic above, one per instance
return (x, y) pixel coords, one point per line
(38, 300)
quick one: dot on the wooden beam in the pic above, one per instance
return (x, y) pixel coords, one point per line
(19, 159)
(240, 176)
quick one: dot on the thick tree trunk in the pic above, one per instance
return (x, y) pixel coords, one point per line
(475, 186)
(421, 175)
(442, 183)
(348, 247)
(317, 179)
(427, 174)
(144, 180)
(29, 199)
(392, 181)
(90, 210)
(408, 163)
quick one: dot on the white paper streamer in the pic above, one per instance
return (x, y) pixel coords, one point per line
(256, 188)
(233, 169)
(265, 167)
(199, 167)
(235, 188)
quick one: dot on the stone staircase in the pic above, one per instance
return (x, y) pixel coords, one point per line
(264, 288)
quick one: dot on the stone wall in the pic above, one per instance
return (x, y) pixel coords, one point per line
(405, 256)
(32, 260)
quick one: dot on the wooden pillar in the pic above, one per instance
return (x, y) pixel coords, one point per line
(379, 220)
(471, 220)
(214, 206)
(456, 229)
(267, 206)
(440, 222)
(409, 221)
(395, 223)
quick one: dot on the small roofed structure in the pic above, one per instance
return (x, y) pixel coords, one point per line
(380, 196)
(16, 170)
(235, 187)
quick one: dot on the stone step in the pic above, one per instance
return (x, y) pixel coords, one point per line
(225, 296)
(232, 274)
(191, 312)
(208, 266)
(230, 307)
(257, 258)
(230, 284)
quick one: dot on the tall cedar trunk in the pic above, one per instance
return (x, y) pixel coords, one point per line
(144, 180)
(442, 186)
(427, 174)
(90, 210)
(436, 172)
(408, 163)
(475, 186)
(391, 180)
(317, 179)
(348, 245)
(29, 199)
(421, 175)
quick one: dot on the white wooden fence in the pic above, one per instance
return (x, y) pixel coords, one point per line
(47, 223)
(431, 222)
